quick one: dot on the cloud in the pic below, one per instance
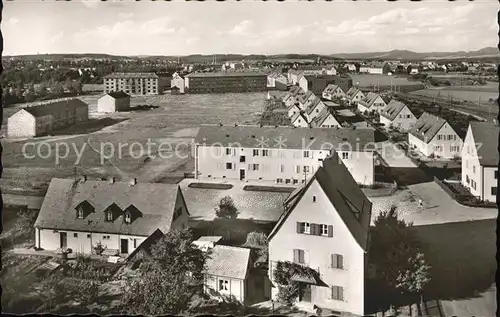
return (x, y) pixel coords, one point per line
(242, 28)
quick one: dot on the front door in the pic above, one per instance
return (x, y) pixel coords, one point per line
(306, 295)
(63, 239)
(124, 246)
(242, 174)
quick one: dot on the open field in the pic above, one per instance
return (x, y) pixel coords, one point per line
(476, 94)
(169, 129)
(368, 80)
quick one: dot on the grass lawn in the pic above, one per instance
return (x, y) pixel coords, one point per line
(461, 93)
(169, 129)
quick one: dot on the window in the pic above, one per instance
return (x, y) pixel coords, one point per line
(496, 174)
(80, 213)
(255, 152)
(135, 243)
(306, 169)
(265, 152)
(279, 180)
(314, 199)
(295, 181)
(255, 167)
(467, 179)
(306, 153)
(337, 293)
(493, 190)
(109, 216)
(229, 166)
(242, 159)
(128, 219)
(282, 168)
(223, 285)
(323, 230)
(88, 235)
(299, 256)
(304, 227)
(287, 181)
(337, 261)
(474, 169)
(76, 234)
(345, 155)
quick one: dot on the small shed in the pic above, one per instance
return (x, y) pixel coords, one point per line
(113, 102)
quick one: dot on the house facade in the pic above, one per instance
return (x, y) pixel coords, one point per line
(325, 119)
(225, 82)
(325, 227)
(113, 102)
(434, 136)
(44, 118)
(355, 95)
(398, 115)
(332, 92)
(82, 214)
(177, 81)
(279, 154)
(480, 160)
(227, 273)
(299, 120)
(314, 109)
(371, 103)
(292, 110)
(132, 83)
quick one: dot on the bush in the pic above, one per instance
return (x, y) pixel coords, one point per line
(288, 294)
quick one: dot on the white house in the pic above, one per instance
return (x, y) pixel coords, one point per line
(178, 81)
(293, 110)
(331, 70)
(480, 160)
(299, 120)
(82, 214)
(398, 115)
(432, 135)
(44, 118)
(276, 80)
(333, 91)
(227, 273)
(313, 109)
(294, 76)
(293, 96)
(325, 119)
(351, 68)
(279, 154)
(371, 103)
(306, 99)
(355, 95)
(113, 102)
(325, 227)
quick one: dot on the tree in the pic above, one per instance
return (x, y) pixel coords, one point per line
(168, 278)
(397, 253)
(258, 240)
(77, 87)
(42, 90)
(57, 89)
(226, 209)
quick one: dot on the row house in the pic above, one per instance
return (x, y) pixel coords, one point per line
(280, 154)
(397, 115)
(293, 96)
(371, 103)
(42, 119)
(355, 95)
(299, 120)
(294, 76)
(326, 119)
(480, 160)
(277, 80)
(332, 92)
(84, 215)
(434, 136)
(313, 109)
(132, 83)
(325, 228)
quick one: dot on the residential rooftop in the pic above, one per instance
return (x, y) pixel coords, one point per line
(131, 75)
(427, 126)
(486, 134)
(226, 74)
(46, 109)
(227, 261)
(393, 109)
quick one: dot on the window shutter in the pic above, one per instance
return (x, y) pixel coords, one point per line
(334, 260)
(298, 227)
(330, 230)
(296, 255)
(301, 256)
(340, 292)
(340, 261)
(249, 167)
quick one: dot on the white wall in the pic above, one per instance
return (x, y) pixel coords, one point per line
(293, 110)
(316, 111)
(50, 240)
(21, 124)
(330, 122)
(236, 286)
(405, 120)
(106, 104)
(319, 250)
(489, 181)
(303, 83)
(301, 122)
(446, 151)
(280, 164)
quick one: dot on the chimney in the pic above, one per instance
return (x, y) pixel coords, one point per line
(83, 178)
(220, 124)
(133, 181)
(111, 180)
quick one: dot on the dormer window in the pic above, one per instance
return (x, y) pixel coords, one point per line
(80, 213)
(109, 216)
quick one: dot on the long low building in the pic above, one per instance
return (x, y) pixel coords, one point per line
(44, 118)
(200, 83)
(284, 155)
(118, 216)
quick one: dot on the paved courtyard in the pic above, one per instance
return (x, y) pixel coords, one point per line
(394, 156)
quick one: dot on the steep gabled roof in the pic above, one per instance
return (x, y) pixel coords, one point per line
(427, 126)
(330, 89)
(298, 115)
(313, 105)
(393, 109)
(486, 136)
(155, 202)
(347, 198)
(322, 116)
(351, 93)
(370, 99)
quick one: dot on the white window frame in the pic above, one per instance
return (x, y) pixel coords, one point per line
(323, 229)
(345, 155)
(109, 216)
(128, 218)
(80, 213)
(223, 285)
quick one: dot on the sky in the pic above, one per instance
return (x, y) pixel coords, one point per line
(249, 27)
